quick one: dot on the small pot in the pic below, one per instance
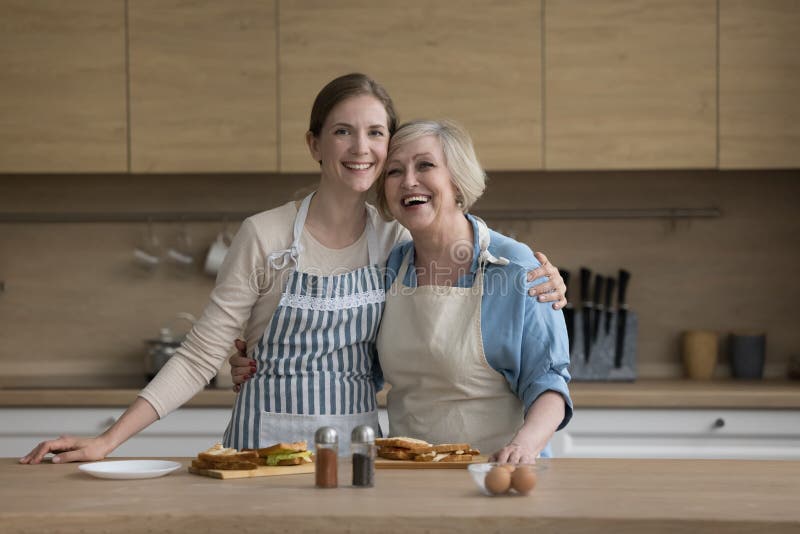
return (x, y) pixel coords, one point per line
(159, 351)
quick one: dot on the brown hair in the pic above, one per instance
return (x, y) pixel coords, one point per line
(344, 87)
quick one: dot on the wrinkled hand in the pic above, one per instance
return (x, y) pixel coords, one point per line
(242, 367)
(515, 453)
(553, 289)
(68, 449)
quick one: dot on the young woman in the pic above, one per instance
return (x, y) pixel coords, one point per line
(304, 284)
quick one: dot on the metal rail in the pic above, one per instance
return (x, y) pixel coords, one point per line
(211, 216)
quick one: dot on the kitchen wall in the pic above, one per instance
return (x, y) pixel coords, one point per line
(76, 309)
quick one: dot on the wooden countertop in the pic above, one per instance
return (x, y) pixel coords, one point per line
(641, 394)
(573, 496)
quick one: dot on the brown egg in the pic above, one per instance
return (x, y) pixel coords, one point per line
(523, 480)
(498, 480)
(508, 467)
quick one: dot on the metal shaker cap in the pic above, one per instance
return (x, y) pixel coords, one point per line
(326, 435)
(362, 434)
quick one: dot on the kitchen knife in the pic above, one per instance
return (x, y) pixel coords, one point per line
(586, 312)
(599, 283)
(611, 284)
(569, 311)
(622, 317)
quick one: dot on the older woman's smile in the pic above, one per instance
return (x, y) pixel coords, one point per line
(415, 200)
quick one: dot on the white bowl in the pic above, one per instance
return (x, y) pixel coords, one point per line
(479, 472)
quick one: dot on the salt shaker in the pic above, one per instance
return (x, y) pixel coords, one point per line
(362, 446)
(327, 457)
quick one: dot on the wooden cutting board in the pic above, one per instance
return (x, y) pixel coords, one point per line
(261, 471)
(383, 463)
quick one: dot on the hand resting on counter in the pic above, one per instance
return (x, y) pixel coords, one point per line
(543, 417)
(139, 415)
(68, 449)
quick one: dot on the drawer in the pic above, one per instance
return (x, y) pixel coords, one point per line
(651, 433)
(184, 432)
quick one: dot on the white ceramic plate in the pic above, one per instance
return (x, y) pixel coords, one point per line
(127, 469)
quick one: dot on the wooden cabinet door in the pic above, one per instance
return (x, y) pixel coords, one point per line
(630, 85)
(472, 61)
(759, 84)
(202, 86)
(62, 86)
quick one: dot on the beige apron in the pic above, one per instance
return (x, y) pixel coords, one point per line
(431, 352)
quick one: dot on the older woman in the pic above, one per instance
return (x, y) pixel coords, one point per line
(469, 356)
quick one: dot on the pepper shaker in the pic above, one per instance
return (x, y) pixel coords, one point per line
(362, 446)
(327, 457)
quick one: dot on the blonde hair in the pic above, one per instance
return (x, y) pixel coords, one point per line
(459, 154)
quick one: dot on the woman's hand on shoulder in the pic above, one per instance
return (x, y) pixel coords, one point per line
(242, 367)
(551, 290)
(515, 453)
(68, 449)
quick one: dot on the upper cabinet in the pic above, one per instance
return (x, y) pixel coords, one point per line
(630, 85)
(184, 86)
(62, 86)
(759, 84)
(203, 86)
(472, 61)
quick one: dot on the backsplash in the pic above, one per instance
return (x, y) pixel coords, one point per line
(76, 308)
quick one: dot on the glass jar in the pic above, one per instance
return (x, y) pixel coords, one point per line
(326, 457)
(362, 447)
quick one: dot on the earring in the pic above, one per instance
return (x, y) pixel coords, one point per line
(460, 201)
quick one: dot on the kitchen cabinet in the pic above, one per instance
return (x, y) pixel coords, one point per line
(62, 95)
(656, 433)
(630, 85)
(202, 86)
(472, 61)
(759, 84)
(184, 432)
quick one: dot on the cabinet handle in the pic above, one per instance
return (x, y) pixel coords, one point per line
(719, 423)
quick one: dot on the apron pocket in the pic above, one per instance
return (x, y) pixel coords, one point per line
(286, 427)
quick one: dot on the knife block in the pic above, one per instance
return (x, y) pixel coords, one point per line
(600, 366)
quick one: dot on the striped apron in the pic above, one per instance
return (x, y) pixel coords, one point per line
(314, 360)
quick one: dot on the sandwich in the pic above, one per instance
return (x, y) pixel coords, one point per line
(227, 459)
(417, 450)
(285, 454)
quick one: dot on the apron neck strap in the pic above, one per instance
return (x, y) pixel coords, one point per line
(372, 241)
(405, 264)
(282, 258)
(484, 238)
(300, 220)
